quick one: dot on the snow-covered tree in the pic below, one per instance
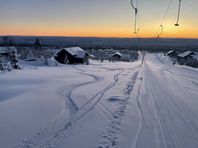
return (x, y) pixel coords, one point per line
(14, 59)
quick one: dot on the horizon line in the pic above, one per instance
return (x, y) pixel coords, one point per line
(98, 37)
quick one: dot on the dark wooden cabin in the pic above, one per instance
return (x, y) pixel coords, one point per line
(72, 55)
(172, 53)
(185, 55)
(116, 56)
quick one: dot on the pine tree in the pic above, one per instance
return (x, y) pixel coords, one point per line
(14, 60)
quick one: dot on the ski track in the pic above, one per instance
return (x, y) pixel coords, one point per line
(76, 113)
(175, 68)
(110, 137)
(135, 141)
(68, 101)
(95, 103)
(177, 122)
(141, 114)
(95, 100)
(167, 112)
(87, 107)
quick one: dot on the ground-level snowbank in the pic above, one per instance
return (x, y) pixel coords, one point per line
(101, 105)
(31, 99)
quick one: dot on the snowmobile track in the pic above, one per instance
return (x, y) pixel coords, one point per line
(110, 136)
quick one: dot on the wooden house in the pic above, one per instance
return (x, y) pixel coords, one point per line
(171, 53)
(185, 55)
(116, 56)
(72, 55)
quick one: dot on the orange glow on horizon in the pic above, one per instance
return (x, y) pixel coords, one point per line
(113, 35)
(94, 19)
(170, 31)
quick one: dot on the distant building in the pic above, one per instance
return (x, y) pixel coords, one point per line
(171, 53)
(72, 55)
(195, 56)
(188, 58)
(185, 55)
(116, 56)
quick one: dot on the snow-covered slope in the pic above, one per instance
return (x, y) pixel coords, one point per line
(101, 105)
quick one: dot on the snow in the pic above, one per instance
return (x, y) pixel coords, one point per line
(101, 105)
(76, 51)
(4, 50)
(171, 51)
(184, 54)
(117, 53)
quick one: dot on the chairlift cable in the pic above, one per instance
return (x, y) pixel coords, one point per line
(161, 31)
(178, 15)
(136, 12)
(138, 20)
(166, 12)
(163, 19)
(138, 33)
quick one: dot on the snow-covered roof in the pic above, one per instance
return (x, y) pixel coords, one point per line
(76, 51)
(117, 53)
(184, 54)
(170, 52)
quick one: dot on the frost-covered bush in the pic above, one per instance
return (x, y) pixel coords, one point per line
(33, 53)
(5, 66)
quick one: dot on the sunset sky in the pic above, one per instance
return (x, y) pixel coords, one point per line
(101, 18)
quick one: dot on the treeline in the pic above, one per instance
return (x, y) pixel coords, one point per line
(149, 44)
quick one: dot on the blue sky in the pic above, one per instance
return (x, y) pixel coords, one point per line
(95, 18)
